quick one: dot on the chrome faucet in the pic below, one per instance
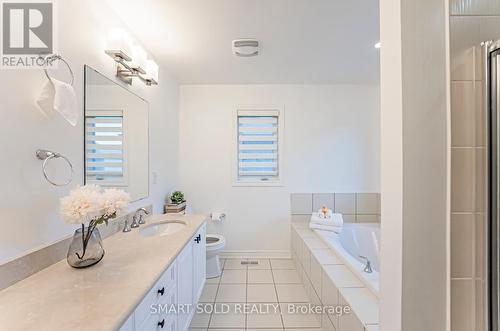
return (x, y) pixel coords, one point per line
(368, 266)
(140, 215)
(126, 228)
(137, 219)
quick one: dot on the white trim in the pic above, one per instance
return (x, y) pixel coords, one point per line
(254, 183)
(269, 109)
(256, 254)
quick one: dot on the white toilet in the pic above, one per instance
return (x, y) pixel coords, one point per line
(215, 242)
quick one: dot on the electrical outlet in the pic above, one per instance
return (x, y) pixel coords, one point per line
(155, 177)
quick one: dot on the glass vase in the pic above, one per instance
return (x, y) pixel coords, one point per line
(86, 248)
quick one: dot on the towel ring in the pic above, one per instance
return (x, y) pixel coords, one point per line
(46, 156)
(54, 57)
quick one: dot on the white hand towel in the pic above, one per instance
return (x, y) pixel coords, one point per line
(335, 220)
(59, 96)
(320, 213)
(336, 229)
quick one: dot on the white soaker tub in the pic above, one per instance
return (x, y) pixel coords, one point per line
(355, 240)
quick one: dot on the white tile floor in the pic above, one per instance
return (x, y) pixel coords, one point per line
(270, 283)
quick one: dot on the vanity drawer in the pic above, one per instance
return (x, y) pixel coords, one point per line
(158, 294)
(159, 323)
(164, 320)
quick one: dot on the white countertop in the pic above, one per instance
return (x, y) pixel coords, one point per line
(100, 297)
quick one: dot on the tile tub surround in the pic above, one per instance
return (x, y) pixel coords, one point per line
(101, 297)
(329, 282)
(18, 269)
(471, 22)
(354, 207)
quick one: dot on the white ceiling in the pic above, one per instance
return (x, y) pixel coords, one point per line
(303, 41)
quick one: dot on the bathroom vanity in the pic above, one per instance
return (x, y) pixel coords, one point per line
(144, 269)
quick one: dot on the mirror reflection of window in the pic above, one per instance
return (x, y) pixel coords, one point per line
(116, 136)
(105, 148)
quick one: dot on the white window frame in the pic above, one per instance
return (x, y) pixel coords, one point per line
(250, 182)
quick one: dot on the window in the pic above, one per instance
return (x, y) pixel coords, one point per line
(105, 150)
(259, 138)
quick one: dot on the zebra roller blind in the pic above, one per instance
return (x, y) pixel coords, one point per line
(258, 145)
(105, 150)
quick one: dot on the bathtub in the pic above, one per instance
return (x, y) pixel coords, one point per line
(357, 239)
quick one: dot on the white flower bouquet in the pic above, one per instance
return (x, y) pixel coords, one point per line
(90, 205)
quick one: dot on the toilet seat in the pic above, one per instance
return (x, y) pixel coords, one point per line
(215, 242)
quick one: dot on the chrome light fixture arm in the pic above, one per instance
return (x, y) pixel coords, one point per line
(126, 72)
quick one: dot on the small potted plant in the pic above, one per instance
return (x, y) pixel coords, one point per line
(177, 197)
(177, 203)
(89, 206)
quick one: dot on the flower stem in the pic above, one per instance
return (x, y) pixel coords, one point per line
(86, 237)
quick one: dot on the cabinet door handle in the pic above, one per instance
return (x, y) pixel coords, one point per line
(162, 291)
(198, 239)
(162, 323)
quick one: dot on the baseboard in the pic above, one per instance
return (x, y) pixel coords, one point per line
(257, 254)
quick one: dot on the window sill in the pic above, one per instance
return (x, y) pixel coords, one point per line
(258, 184)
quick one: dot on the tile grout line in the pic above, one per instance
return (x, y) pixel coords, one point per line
(246, 297)
(277, 298)
(216, 294)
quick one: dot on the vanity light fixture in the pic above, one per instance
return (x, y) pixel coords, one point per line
(131, 60)
(126, 69)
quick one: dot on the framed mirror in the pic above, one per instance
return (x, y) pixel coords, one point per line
(116, 135)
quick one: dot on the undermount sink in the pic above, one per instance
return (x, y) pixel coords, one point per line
(163, 228)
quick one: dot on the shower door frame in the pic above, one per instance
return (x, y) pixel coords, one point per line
(492, 102)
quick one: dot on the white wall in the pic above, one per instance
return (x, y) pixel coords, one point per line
(331, 144)
(414, 269)
(28, 204)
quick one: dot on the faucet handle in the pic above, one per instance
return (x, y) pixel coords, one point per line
(140, 213)
(126, 227)
(368, 266)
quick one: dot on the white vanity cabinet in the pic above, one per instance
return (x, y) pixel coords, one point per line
(185, 285)
(191, 276)
(180, 286)
(200, 262)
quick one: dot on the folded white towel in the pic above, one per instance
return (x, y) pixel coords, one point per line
(61, 97)
(336, 229)
(335, 220)
(320, 213)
